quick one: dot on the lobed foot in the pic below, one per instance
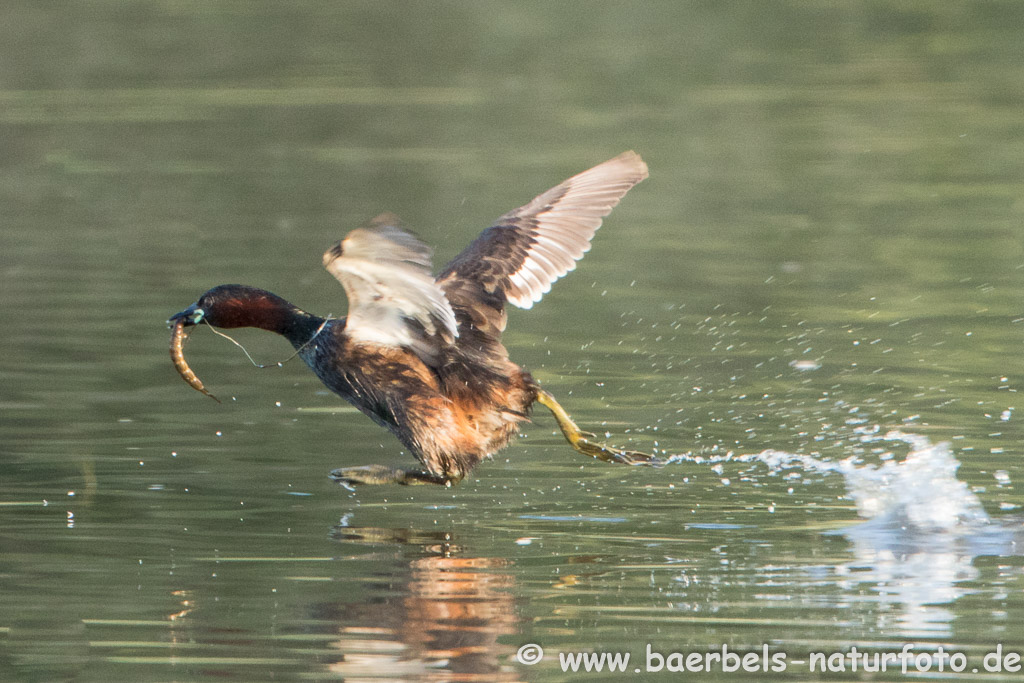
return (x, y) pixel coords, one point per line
(577, 439)
(608, 453)
(350, 477)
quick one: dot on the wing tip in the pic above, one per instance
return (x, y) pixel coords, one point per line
(333, 252)
(630, 158)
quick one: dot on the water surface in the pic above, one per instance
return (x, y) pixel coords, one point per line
(814, 302)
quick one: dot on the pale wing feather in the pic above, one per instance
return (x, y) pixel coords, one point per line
(561, 222)
(385, 271)
(519, 257)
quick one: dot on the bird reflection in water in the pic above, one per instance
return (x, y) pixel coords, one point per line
(441, 622)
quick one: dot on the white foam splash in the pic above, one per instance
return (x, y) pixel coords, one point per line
(919, 491)
(923, 527)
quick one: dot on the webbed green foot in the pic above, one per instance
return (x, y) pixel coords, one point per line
(579, 442)
(349, 477)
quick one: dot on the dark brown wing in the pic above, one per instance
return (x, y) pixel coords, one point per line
(526, 250)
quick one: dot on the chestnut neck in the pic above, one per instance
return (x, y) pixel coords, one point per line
(253, 307)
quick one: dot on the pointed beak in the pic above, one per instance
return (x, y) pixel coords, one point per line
(192, 315)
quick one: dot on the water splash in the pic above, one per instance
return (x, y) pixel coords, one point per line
(923, 527)
(919, 492)
(908, 503)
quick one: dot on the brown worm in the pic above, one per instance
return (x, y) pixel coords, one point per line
(178, 337)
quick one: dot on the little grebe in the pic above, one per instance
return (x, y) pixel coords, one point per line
(423, 356)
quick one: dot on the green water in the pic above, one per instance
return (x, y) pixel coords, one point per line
(834, 186)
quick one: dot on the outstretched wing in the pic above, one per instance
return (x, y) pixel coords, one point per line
(392, 296)
(528, 249)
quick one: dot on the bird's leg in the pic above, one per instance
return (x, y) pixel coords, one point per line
(578, 441)
(349, 477)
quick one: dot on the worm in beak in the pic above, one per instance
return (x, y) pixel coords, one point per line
(178, 336)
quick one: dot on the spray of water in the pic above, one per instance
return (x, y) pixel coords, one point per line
(919, 491)
(922, 528)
